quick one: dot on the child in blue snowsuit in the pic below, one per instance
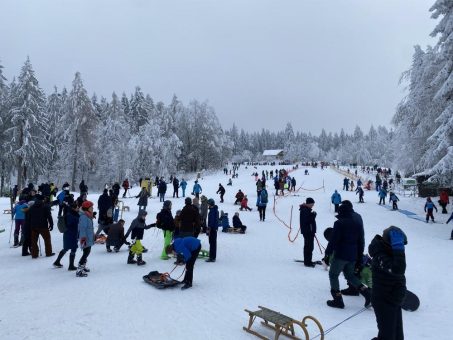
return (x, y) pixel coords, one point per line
(382, 195)
(393, 198)
(224, 222)
(429, 206)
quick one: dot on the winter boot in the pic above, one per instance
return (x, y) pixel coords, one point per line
(57, 263)
(140, 262)
(366, 293)
(337, 301)
(71, 262)
(130, 259)
(145, 250)
(350, 291)
(186, 286)
(81, 271)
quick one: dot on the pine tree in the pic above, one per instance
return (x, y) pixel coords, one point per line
(28, 143)
(78, 151)
(4, 125)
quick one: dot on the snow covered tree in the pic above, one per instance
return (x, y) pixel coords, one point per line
(28, 143)
(79, 122)
(4, 125)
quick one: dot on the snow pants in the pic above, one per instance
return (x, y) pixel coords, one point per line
(83, 260)
(382, 200)
(262, 211)
(389, 319)
(336, 207)
(347, 267)
(212, 244)
(444, 207)
(137, 248)
(429, 214)
(188, 278)
(45, 233)
(394, 205)
(168, 236)
(309, 240)
(175, 192)
(161, 196)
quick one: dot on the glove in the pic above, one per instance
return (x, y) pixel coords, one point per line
(127, 243)
(83, 242)
(396, 240)
(180, 260)
(51, 227)
(94, 214)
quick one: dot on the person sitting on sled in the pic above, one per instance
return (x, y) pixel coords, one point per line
(186, 250)
(237, 223)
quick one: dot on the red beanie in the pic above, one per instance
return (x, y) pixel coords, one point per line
(87, 205)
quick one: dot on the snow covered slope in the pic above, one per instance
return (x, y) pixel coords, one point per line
(39, 302)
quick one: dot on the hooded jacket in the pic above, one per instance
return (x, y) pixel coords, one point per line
(307, 220)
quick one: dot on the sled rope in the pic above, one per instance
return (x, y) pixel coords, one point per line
(167, 275)
(319, 245)
(285, 224)
(327, 331)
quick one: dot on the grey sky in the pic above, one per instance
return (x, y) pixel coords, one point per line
(316, 63)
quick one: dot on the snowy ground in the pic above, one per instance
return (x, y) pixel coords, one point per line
(39, 302)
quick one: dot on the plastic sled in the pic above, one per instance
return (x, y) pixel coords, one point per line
(101, 239)
(411, 302)
(160, 280)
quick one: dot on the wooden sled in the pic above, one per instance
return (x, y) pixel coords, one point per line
(282, 324)
(101, 239)
(7, 211)
(160, 280)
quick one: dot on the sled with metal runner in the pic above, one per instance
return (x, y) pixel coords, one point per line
(160, 280)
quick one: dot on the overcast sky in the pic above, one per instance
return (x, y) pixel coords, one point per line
(315, 63)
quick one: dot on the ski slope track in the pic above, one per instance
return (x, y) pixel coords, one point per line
(258, 268)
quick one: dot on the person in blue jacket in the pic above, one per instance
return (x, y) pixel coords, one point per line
(197, 189)
(382, 195)
(213, 225)
(19, 217)
(183, 185)
(336, 200)
(429, 207)
(394, 199)
(86, 236)
(70, 237)
(186, 250)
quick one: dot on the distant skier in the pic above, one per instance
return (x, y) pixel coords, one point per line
(429, 207)
(221, 191)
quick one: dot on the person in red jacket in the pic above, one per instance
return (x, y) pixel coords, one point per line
(244, 204)
(444, 201)
(125, 186)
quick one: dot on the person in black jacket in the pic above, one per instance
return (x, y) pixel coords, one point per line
(162, 189)
(190, 220)
(308, 229)
(346, 244)
(104, 204)
(175, 190)
(41, 223)
(221, 191)
(137, 230)
(388, 268)
(115, 236)
(165, 221)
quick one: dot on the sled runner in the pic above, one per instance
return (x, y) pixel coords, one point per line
(411, 302)
(282, 324)
(2, 230)
(7, 211)
(302, 261)
(160, 280)
(232, 230)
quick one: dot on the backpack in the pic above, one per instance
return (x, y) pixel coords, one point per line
(61, 224)
(264, 198)
(60, 197)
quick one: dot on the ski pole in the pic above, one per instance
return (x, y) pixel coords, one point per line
(10, 232)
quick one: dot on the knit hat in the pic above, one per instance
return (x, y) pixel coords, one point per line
(188, 201)
(167, 204)
(309, 200)
(87, 205)
(211, 202)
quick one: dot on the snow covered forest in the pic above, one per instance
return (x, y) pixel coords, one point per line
(69, 134)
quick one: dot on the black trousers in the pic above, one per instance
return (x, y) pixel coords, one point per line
(86, 252)
(262, 211)
(336, 207)
(389, 320)
(221, 198)
(309, 240)
(212, 244)
(188, 278)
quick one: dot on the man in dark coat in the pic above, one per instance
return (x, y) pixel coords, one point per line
(239, 196)
(104, 204)
(162, 189)
(116, 189)
(389, 282)
(190, 220)
(115, 236)
(175, 187)
(308, 229)
(213, 225)
(41, 223)
(346, 244)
